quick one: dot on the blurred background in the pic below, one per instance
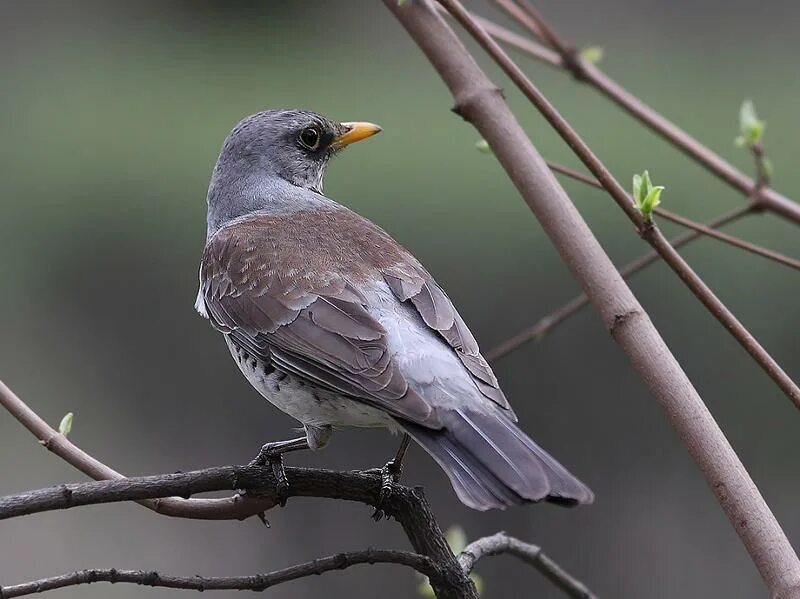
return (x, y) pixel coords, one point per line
(112, 115)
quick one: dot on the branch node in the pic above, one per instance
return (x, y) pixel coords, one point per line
(67, 493)
(621, 319)
(474, 95)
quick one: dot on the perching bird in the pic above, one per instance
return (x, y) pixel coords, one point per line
(337, 324)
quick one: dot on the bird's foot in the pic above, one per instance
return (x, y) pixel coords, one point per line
(390, 474)
(272, 454)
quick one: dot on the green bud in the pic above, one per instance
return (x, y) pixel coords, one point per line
(593, 54)
(65, 426)
(751, 128)
(646, 196)
(483, 146)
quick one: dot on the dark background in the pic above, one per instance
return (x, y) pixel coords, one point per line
(111, 118)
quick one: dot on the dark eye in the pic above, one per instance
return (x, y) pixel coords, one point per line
(309, 137)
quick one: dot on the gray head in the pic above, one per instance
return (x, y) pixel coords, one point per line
(271, 152)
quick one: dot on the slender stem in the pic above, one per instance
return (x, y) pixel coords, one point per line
(481, 103)
(648, 231)
(257, 582)
(533, 555)
(742, 244)
(592, 75)
(547, 323)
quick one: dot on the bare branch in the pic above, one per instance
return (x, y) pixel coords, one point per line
(703, 155)
(737, 242)
(547, 323)
(480, 102)
(257, 582)
(230, 508)
(501, 543)
(646, 229)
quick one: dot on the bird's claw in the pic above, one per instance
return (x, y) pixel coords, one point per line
(390, 474)
(271, 454)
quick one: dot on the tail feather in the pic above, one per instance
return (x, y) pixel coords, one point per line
(491, 463)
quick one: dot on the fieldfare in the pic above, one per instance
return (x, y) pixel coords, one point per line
(337, 324)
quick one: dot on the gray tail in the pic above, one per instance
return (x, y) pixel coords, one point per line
(491, 463)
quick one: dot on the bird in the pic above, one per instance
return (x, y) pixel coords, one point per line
(338, 325)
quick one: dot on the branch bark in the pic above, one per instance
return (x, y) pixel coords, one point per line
(548, 322)
(481, 103)
(257, 582)
(533, 555)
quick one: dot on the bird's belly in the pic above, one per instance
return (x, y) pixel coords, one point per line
(301, 400)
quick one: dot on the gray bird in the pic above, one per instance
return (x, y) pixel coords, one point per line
(337, 324)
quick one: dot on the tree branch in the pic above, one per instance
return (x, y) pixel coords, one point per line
(533, 555)
(481, 103)
(646, 229)
(596, 78)
(547, 323)
(707, 230)
(229, 508)
(407, 505)
(257, 582)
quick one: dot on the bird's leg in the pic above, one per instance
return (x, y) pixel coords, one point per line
(272, 454)
(390, 473)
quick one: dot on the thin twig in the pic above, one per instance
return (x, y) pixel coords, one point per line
(481, 103)
(547, 323)
(256, 582)
(738, 242)
(596, 78)
(648, 231)
(230, 508)
(707, 230)
(533, 555)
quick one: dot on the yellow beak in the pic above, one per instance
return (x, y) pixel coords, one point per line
(356, 131)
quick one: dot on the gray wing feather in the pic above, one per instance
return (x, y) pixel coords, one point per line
(413, 283)
(316, 326)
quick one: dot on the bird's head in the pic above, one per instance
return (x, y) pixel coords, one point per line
(294, 145)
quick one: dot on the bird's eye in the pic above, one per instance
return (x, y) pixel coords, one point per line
(309, 137)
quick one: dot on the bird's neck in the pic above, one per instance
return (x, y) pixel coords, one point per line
(231, 199)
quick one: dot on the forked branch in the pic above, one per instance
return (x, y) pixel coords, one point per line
(646, 229)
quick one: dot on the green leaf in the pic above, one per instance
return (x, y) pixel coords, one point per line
(593, 54)
(637, 189)
(652, 200)
(646, 196)
(751, 128)
(65, 426)
(483, 146)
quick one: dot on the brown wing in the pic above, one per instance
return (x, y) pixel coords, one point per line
(411, 282)
(288, 307)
